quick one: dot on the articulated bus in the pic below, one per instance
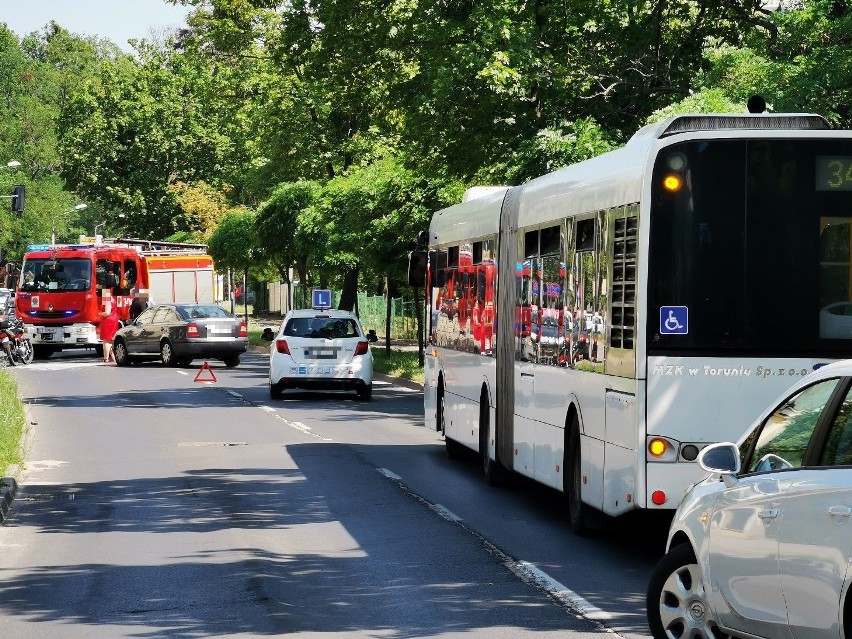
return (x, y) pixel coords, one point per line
(639, 305)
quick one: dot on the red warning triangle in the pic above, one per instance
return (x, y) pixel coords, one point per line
(205, 367)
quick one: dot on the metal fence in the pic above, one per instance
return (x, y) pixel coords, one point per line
(372, 310)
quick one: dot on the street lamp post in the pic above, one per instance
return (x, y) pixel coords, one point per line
(79, 207)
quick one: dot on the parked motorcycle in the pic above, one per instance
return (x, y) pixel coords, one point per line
(14, 340)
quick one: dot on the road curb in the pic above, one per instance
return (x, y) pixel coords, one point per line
(398, 381)
(8, 488)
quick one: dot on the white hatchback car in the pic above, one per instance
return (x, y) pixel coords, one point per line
(763, 546)
(320, 349)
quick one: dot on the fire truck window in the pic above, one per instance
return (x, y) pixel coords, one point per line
(129, 280)
(105, 274)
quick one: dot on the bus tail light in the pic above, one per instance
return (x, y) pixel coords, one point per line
(192, 330)
(362, 348)
(281, 346)
(243, 329)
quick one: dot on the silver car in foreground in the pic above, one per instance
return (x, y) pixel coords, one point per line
(763, 546)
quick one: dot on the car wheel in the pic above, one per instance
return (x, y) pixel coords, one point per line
(365, 392)
(676, 602)
(119, 349)
(275, 391)
(167, 354)
(184, 362)
(233, 360)
(572, 479)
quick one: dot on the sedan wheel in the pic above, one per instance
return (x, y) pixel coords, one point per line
(677, 603)
(167, 354)
(119, 349)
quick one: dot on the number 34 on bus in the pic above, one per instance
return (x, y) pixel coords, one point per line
(713, 245)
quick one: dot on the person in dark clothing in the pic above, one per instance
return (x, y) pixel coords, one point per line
(136, 306)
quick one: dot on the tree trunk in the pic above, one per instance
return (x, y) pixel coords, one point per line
(349, 295)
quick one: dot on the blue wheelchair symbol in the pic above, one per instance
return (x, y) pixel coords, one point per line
(674, 320)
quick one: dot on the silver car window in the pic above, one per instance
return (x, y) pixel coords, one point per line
(784, 436)
(838, 446)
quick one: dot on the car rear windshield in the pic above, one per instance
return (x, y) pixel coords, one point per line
(200, 312)
(321, 327)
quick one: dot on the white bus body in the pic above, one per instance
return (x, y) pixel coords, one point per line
(625, 312)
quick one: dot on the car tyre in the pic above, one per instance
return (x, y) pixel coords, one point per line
(275, 391)
(119, 349)
(676, 602)
(184, 362)
(167, 353)
(231, 361)
(365, 392)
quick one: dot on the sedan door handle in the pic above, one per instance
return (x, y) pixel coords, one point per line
(768, 513)
(528, 375)
(839, 511)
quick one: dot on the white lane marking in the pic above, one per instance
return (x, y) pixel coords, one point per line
(524, 570)
(446, 514)
(234, 394)
(182, 373)
(562, 593)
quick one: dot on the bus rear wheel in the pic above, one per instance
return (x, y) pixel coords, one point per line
(572, 480)
(494, 472)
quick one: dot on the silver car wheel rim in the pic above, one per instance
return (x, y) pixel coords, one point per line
(683, 607)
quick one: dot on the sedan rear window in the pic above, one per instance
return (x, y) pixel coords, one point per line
(321, 327)
(200, 312)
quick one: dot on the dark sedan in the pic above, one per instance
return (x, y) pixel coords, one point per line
(178, 333)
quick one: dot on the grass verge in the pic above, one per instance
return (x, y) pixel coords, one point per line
(402, 364)
(12, 420)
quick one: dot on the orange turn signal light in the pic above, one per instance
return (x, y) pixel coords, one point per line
(672, 183)
(657, 447)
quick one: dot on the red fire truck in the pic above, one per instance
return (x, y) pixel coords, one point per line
(63, 288)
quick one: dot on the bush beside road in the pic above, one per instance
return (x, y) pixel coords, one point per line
(12, 420)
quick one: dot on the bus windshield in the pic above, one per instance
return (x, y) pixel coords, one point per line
(750, 248)
(63, 274)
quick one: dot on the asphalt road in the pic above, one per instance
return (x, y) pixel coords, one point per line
(156, 506)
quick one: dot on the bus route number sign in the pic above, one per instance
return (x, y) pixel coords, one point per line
(833, 173)
(674, 320)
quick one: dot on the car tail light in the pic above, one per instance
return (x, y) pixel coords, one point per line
(243, 330)
(281, 346)
(192, 330)
(362, 348)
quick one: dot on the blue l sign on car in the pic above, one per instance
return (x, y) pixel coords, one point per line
(674, 320)
(321, 298)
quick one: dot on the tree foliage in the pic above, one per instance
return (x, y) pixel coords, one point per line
(346, 123)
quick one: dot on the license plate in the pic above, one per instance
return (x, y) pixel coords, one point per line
(44, 329)
(321, 353)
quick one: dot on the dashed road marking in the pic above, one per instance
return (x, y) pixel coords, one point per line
(527, 572)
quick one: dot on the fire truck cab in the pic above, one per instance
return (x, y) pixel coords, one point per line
(63, 289)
